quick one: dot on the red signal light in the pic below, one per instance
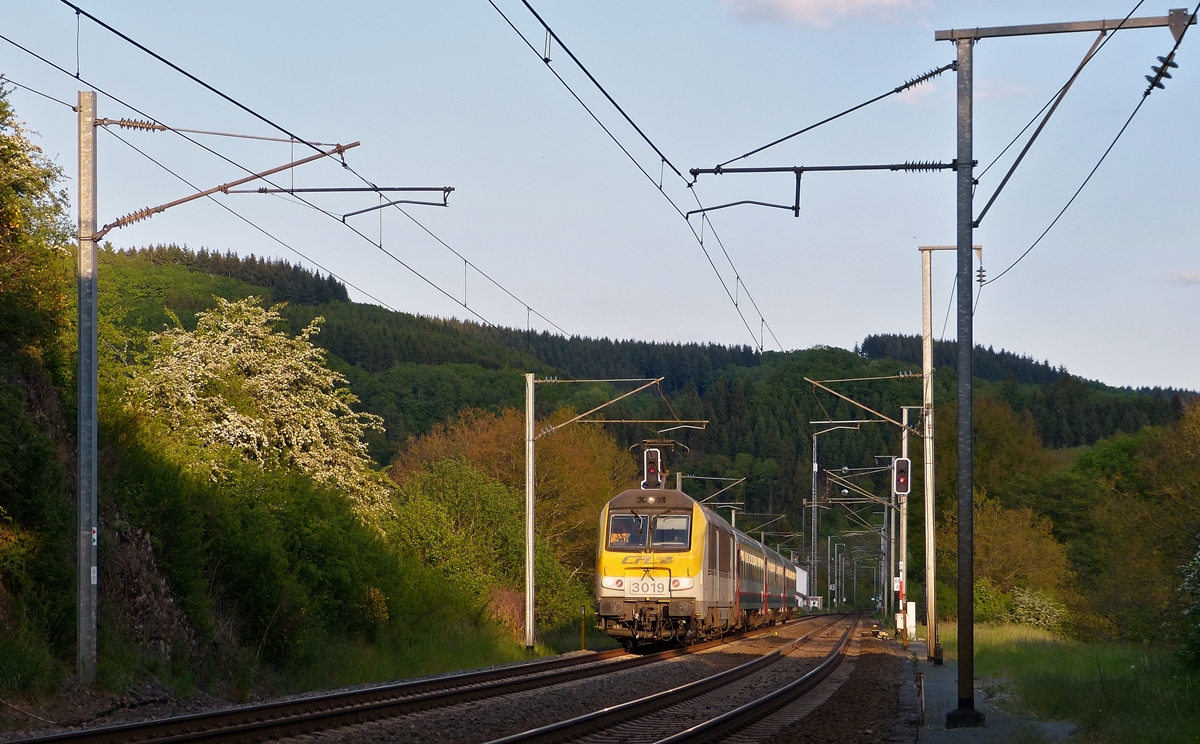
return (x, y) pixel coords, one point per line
(651, 460)
(900, 471)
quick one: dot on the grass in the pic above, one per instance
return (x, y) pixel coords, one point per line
(340, 661)
(1117, 693)
(565, 638)
(27, 662)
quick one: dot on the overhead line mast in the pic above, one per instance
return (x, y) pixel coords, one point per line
(964, 40)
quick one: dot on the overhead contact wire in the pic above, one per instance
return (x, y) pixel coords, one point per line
(247, 220)
(599, 87)
(749, 296)
(6, 79)
(1145, 96)
(80, 11)
(464, 259)
(293, 137)
(632, 159)
(639, 166)
(247, 170)
(1074, 196)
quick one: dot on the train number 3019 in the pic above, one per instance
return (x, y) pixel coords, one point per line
(647, 588)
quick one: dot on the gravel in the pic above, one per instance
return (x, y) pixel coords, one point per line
(79, 707)
(864, 707)
(479, 721)
(485, 720)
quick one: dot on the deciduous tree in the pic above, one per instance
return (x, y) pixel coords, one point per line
(34, 235)
(235, 387)
(579, 468)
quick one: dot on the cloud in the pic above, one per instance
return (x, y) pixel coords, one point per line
(917, 94)
(1185, 278)
(816, 12)
(990, 89)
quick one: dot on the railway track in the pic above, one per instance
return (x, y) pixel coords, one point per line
(281, 719)
(670, 717)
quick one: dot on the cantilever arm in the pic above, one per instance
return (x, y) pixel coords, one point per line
(552, 429)
(142, 214)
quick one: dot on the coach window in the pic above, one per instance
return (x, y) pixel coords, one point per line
(628, 531)
(672, 531)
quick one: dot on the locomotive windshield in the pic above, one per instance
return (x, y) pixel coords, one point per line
(628, 531)
(671, 530)
(665, 531)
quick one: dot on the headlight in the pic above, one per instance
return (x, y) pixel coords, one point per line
(612, 582)
(682, 583)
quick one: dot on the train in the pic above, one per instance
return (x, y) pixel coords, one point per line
(669, 568)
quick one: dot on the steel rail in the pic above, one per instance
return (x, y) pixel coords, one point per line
(616, 714)
(279, 719)
(756, 710)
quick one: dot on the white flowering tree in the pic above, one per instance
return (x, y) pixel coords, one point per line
(1191, 612)
(234, 385)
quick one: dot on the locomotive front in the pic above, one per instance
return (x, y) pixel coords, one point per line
(649, 577)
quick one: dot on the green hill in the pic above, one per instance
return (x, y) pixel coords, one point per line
(1032, 418)
(416, 371)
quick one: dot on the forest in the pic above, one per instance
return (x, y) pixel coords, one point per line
(297, 489)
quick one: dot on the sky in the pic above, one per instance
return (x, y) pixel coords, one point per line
(548, 206)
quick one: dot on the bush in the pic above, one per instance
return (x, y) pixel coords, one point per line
(471, 529)
(285, 586)
(1037, 609)
(285, 557)
(235, 387)
(37, 540)
(34, 236)
(992, 605)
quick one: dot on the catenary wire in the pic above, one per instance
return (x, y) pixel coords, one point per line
(464, 259)
(305, 202)
(80, 11)
(599, 87)
(6, 79)
(738, 276)
(247, 170)
(898, 89)
(248, 221)
(664, 160)
(635, 162)
(697, 235)
(1145, 96)
(1024, 129)
(293, 137)
(1073, 196)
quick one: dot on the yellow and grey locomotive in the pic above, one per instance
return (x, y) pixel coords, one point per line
(670, 568)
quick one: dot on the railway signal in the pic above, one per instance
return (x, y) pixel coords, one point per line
(901, 469)
(651, 469)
